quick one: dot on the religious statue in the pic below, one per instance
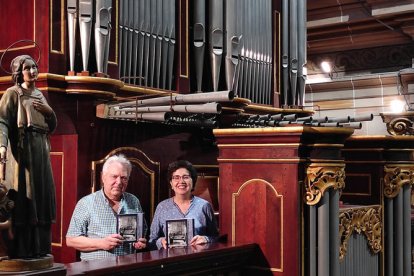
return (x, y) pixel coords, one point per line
(26, 120)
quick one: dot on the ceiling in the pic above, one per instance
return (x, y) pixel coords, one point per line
(360, 35)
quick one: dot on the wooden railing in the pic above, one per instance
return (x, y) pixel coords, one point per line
(211, 259)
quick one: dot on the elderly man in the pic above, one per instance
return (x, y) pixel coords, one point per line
(92, 229)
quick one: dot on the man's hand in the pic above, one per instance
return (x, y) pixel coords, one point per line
(111, 241)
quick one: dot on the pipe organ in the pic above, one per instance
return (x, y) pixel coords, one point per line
(230, 43)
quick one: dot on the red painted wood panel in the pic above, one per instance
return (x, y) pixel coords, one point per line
(259, 203)
(64, 164)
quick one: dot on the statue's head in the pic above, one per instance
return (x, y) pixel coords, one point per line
(16, 67)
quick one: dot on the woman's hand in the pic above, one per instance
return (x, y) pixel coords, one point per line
(164, 243)
(43, 108)
(198, 240)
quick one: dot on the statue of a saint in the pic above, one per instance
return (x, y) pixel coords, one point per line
(26, 120)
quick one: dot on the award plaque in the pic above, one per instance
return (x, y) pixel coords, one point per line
(130, 226)
(179, 232)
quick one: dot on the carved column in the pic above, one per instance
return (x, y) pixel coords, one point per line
(398, 180)
(324, 182)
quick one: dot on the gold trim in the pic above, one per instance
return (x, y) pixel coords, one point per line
(321, 177)
(90, 91)
(233, 216)
(395, 177)
(87, 79)
(361, 219)
(62, 197)
(54, 89)
(147, 90)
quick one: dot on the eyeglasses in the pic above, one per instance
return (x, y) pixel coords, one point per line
(185, 177)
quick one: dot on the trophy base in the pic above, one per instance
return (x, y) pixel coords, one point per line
(15, 265)
(71, 73)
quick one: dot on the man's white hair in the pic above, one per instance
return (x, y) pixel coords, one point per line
(121, 159)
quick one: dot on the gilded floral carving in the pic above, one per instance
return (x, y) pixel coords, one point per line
(359, 220)
(395, 177)
(321, 178)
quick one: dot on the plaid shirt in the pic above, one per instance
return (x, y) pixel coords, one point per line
(93, 217)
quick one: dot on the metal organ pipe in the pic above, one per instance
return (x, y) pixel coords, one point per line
(72, 10)
(222, 96)
(199, 42)
(232, 42)
(85, 28)
(102, 33)
(302, 43)
(216, 40)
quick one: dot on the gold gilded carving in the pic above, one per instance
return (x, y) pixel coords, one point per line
(395, 177)
(366, 220)
(319, 179)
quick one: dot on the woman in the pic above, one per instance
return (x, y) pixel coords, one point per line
(182, 177)
(26, 119)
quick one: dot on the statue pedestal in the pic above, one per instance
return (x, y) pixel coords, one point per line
(31, 266)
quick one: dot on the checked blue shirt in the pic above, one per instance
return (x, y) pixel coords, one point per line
(93, 217)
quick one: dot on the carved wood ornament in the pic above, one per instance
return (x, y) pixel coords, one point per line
(365, 220)
(395, 177)
(321, 178)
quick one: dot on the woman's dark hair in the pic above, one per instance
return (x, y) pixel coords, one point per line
(182, 164)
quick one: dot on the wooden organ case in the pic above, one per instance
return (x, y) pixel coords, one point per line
(95, 53)
(270, 186)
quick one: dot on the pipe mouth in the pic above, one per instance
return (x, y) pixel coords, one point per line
(231, 95)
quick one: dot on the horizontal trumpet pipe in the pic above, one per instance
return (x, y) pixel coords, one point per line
(210, 108)
(222, 96)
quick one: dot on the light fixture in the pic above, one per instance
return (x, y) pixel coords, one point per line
(326, 67)
(397, 106)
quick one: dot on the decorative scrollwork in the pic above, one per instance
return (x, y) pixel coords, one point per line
(319, 179)
(395, 177)
(361, 219)
(400, 126)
